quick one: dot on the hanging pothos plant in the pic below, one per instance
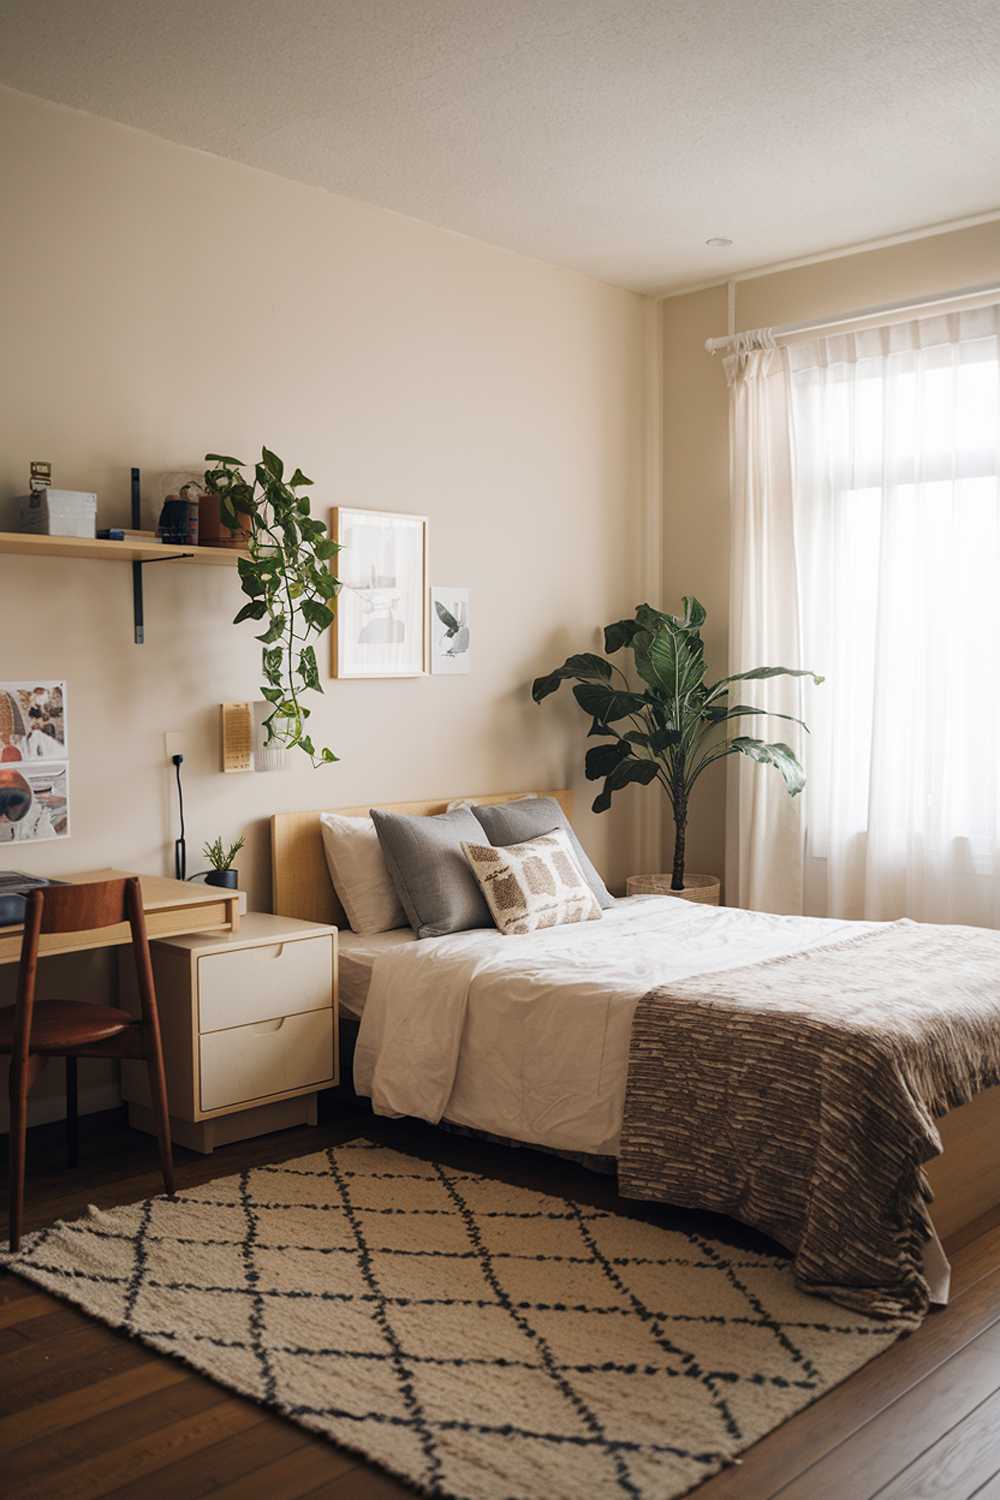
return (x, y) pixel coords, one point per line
(287, 580)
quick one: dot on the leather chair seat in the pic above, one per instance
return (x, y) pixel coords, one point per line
(58, 1024)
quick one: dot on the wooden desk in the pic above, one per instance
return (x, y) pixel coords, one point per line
(172, 907)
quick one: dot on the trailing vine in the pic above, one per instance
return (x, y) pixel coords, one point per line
(288, 583)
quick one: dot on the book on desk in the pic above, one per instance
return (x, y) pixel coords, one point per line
(15, 888)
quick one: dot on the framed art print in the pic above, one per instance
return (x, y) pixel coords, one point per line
(380, 628)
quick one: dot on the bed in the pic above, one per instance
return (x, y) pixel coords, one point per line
(471, 1029)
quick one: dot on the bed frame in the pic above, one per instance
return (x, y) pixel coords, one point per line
(965, 1178)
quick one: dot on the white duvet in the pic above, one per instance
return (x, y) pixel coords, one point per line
(528, 1037)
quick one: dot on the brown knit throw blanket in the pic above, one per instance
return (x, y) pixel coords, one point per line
(799, 1095)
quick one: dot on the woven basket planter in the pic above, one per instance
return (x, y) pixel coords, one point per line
(703, 888)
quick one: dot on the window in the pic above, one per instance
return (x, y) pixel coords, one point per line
(897, 517)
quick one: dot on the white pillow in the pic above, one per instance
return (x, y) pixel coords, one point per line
(360, 875)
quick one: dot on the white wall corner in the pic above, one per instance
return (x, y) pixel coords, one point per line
(650, 803)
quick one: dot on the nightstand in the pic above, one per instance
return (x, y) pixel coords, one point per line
(249, 1028)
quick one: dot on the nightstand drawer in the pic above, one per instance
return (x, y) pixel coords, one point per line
(270, 1057)
(247, 985)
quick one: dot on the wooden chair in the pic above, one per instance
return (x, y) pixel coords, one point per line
(33, 1032)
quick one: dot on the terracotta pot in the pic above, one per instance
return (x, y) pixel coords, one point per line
(703, 888)
(212, 530)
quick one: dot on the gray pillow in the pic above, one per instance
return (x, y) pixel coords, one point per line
(433, 878)
(506, 823)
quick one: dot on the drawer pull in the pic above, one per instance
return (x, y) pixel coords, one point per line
(270, 950)
(268, 1026)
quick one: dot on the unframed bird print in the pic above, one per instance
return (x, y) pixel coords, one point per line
(451, 636)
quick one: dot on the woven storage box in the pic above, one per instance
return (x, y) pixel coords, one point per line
(703, 888)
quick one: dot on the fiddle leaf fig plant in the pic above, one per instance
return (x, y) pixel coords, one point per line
(287, 581)
(676, 720)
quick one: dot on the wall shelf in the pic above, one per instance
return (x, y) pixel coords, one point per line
(94, 549)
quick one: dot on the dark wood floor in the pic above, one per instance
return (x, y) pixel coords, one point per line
(86, 1412)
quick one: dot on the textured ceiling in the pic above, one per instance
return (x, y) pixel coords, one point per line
(615, 136)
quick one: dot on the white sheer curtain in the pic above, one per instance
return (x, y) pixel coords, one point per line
(765, 834)
(896, 516)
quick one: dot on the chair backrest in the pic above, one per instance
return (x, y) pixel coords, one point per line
(80, 908)
(83, 908)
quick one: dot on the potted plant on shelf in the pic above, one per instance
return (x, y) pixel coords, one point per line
(287, 580)
(669, 728)
(221, 861)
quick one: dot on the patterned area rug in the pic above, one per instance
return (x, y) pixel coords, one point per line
(477, 1339)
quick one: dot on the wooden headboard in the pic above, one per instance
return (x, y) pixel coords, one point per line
(300, 881)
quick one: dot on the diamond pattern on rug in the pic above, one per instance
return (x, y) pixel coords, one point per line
(478, 1340)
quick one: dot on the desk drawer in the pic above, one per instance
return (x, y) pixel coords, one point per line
(270, 1057)
(259, 984)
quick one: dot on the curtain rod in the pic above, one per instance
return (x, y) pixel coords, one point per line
(715, 346)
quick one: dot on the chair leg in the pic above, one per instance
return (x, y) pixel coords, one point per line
(153, 1047)
(158, 1097)
(72, 1115)
(19, 1084)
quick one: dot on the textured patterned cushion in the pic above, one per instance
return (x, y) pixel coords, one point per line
(506, 823)
(535, 884)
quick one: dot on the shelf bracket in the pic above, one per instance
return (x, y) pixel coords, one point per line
(138, 627)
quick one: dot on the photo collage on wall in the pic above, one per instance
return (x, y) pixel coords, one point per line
(34, 762)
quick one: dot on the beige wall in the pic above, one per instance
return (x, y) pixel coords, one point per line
(156, 304)
(695, 407)
(696, 519)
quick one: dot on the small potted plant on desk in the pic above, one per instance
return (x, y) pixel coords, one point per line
(221, 861)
